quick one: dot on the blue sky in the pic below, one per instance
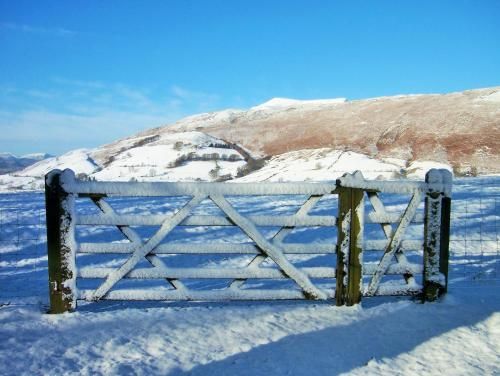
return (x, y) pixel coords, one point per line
(83, 73)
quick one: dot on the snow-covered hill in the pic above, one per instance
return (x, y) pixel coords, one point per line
(185, 156)
(286, 139)
(460, 129)
(323, 164)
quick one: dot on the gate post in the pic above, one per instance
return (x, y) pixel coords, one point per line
(436, 233)
(61, 244)
(349, 245)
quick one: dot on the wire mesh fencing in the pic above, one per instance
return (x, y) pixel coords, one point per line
(23, 254)
(475, 237)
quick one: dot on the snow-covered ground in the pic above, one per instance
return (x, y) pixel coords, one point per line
(458, 335)
(194, 156)
(326, 164)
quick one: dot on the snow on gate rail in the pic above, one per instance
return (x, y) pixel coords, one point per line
(148, 257)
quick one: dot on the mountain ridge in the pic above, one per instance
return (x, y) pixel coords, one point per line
(10, 162)
(415, 127)
(385, 137)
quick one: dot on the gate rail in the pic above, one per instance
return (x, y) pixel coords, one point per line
(62, 188)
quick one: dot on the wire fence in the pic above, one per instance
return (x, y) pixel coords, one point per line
(474, 241)
(475, 236)
(23, 254)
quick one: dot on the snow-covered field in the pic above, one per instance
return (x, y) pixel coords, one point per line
(458, 335)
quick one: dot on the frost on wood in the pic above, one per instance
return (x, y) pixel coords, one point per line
(69, 247)
(192, 189)
(204, 220)
(394, 243)
(345, 245)
(212, 295)
(436, 230)
(265, 250)
(144, 249)
(440, 180)
(216, 248)
(271, 250)
(162, 272)
(408, 273)
(61, 242)
(350, 246)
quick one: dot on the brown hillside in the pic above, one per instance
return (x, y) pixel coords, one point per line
(462, 129)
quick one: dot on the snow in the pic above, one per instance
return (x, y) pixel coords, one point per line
(78, 160)
(320, 165)
(34, 156)
(204, 120)
(164, 163)
(459, 334)
(32, 177)
(187, 156)
(198, 139)
(494, 97)
(7, 155)
(37, 156)
(284, 103)
(418, 169)
(182, 189)
(183, 156)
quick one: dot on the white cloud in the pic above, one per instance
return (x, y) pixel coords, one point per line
(57, 31)
(53, 129)
(91, 113)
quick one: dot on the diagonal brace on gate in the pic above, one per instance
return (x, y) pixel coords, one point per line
(278, 238)
(273, 251)
(134, 238)
(146, 248)
(379, 208)
(394, 243)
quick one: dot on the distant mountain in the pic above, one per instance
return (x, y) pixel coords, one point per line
(10, 163)
(286, 139)
(461, 129)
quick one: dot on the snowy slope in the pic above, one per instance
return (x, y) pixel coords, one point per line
(32, 177)
(79, 160)
(323, 164)
(193, 156)
(185, 156)
(287, 103)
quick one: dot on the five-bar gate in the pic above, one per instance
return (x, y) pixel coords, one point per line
(352, 275)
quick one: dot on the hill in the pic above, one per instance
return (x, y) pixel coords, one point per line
(286, 139)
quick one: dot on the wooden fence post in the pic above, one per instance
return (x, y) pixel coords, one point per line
(61, 245)
(350, 246)
(436, 233)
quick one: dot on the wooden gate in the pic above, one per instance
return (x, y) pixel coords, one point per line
(348, 272)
